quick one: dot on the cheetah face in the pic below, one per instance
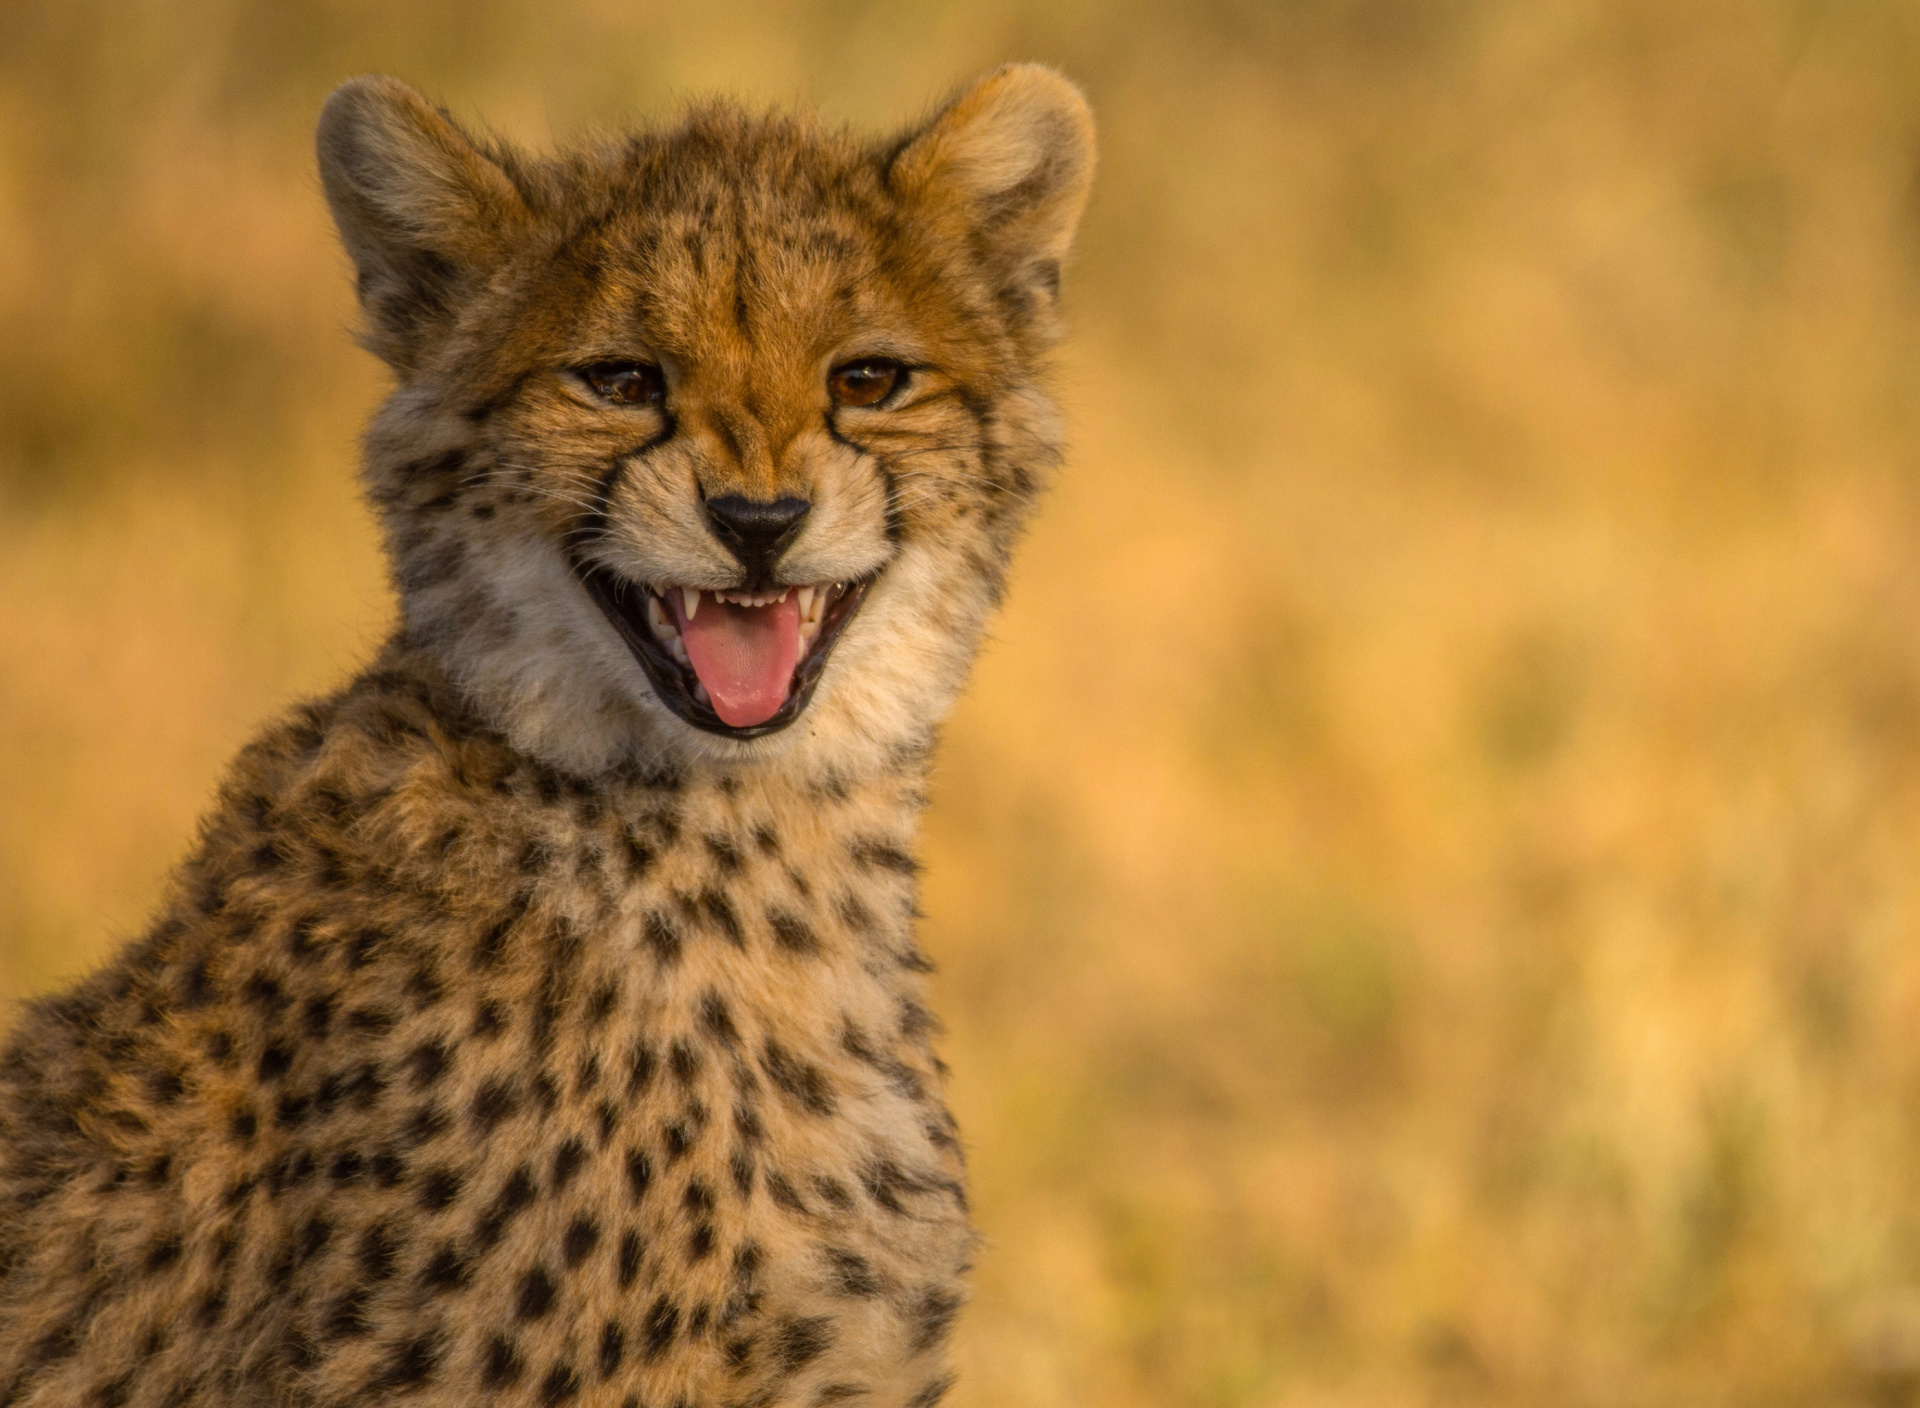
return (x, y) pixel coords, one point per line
(717, 429)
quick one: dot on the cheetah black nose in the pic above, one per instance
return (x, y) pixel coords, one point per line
(756, 533)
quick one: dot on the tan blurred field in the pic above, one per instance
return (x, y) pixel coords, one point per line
(1427, 880)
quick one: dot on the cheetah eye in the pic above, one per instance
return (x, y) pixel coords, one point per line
(626, 383)
(866, 382)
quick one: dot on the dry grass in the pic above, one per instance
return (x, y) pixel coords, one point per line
(1428, 878)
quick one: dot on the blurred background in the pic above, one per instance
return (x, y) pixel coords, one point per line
(1427, 879)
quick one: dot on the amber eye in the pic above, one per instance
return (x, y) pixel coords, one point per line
(865, 383)
(626, 383)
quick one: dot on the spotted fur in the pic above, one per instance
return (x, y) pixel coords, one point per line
(505, 1038)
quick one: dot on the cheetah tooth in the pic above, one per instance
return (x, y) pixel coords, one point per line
(806, 602)
(690, 600)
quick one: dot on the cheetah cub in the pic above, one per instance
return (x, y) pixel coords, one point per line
(539, 1019)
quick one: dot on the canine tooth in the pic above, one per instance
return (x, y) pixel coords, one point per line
(690, 600)
(806, 602)
(700, 693)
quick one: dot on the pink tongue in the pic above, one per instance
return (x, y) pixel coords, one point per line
(744, 655)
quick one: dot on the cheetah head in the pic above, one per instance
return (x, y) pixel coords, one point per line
(710, 441)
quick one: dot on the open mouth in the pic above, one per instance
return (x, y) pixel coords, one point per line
(736, 663)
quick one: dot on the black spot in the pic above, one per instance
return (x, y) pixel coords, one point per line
(700, 1243)
(314, 1237)
(587, 1076)
(494, 1102)
(411, 1365)
(211, 1309)
(834, 1191)
(545, 1093)
(535, 1296)
(424, 987)
(164, 1252)
(679, 1139)
(348, 1165)
(374, 1021)
(502, 1365)
(716, 1019)
(630, 1251)
(264, 991)
(164, 1087)
(747, 1121)
(719, 913)
(932, 1316)
(683, 1062)
(640, 1067)
(663, 937)
(493, 940)
(367, 1086)
(784, 1193)
(514, 1197)
(292, 1110)
(639, 1173)
(446, 1270)
(741, 1167)
(566, 1163)
(799, 1340)
(111, 1394)
(613, 1344)
(489, 1019)
(582, 1236)
(932, 1393)
(387, 1168)
(725, 854)
(424, 1125)
(244, 1125)
(362, 947)
(767, 840)
(605, 998)
(428, 1063)
(439, 1188)
(378, 1252)
(348, 1317)
(275, 1061)
(805, 1085)
(851, 1274)
(792, 933)
(663, 1322)
(560, 1384)
(872, 854)
(319, 1015)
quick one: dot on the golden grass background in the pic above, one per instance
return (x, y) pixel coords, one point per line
(1427, 879)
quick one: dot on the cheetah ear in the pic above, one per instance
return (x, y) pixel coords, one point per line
(423, 212)
(1013, 157)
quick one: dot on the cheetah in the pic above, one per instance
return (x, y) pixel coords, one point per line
(539, 1019)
